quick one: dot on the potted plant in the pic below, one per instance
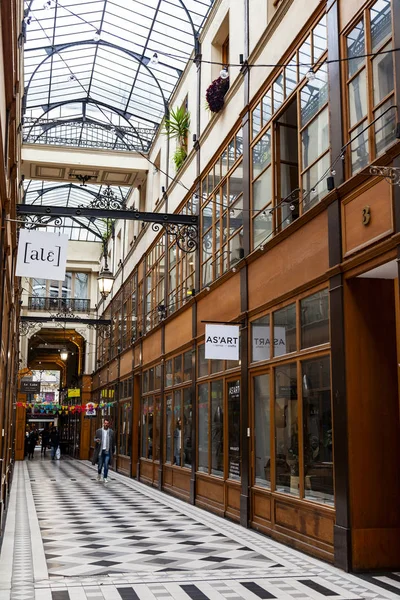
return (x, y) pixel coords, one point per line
(176, 126)
(215, 94)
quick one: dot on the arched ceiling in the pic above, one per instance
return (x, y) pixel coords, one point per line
(89, 79)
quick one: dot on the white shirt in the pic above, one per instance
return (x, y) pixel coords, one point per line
(104, 439)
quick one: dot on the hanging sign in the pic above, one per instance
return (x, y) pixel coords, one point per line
(74, 392)
(222, 342)
(30, 387)
(42, 254)
(90, 410)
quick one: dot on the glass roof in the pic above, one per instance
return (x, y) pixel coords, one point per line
(48, 193)
(91, 79)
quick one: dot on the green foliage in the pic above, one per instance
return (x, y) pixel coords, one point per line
(179, 156)
(177, 127)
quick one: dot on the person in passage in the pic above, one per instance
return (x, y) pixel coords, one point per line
(54, 442)
(32, 439)
(45, 441)
(105, 447)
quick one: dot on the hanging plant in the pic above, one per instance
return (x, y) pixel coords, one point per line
(215, 94)
(176, 126)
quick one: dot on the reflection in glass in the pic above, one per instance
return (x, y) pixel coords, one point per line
(144, 425)
(266, 107)
(381, 23)
(285, 330)
(178, 369)
(187, 427)
(262, 227)
(358, 97)
(314, 95)
(234, 429)
(315, 319)
(290, 76)
(203, 427)
(177, 425)
(81, 285)
(277, 89)
(217, 428)
(382, 67)
(305, 57)
(150, 427)
(262, 442)
(260, 339)
(314, 182)
(262, 190)
(168, 372)
(262, 154)
(317, 421)
(187, 366)
(256, 120)
(202, 363)
(168, 427)
(157, 424)
(286, 430)
(355, 48)
(385, 127)
(315, 138)
(320, 40)
(359, 148)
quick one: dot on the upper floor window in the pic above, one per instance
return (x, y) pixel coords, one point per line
(75, 285)
(370, 85)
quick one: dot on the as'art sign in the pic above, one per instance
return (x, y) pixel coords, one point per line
(41, 254)
(222, 342)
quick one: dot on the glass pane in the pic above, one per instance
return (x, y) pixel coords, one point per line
(145, 382)
(187, 366)
(150, 427)
(144, 425)
(234, 429)
(256, 120)
(239, 143)
(67, 286)
(157, 423)
(305, 57)
(382, 67)
(314, 95)
(359, 148)
(177, 424)
(314, 182)
(235, 184)
(315, 320)
(285, 330)
(262, 190)
(358, 98)
(39, 289)
(286, 430)
(54, 288)
(262, 227)
(262, 154)
(278, 92)
(260, 339)
(203, 427)
(262, 442)
(178, 369)
(385, 128)
(168, 372)
(81, 286)
(381, 23)
(151, 379)
(355, 48)
(157, 377)
(291, 76)
(217, 428)
(317, 424)
(315, 138)
(202, 363)
(168, 420)
(320, 40)
(187, 427)
(224, 163)
(266, 107)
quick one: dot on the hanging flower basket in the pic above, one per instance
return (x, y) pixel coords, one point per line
(215, 94)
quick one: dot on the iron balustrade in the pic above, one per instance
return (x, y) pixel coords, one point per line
(59, 305)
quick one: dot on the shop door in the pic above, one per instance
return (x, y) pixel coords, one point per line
(232, 450)
(261, 467)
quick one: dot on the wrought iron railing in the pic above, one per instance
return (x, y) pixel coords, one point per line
(58, 305)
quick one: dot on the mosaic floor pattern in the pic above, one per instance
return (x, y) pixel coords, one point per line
(74, 538)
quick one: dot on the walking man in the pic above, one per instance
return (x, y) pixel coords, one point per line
(54, 442)
(104, 449)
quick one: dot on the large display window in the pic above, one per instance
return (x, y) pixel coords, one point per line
(151, 414)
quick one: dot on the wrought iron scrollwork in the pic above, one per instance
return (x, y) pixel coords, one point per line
(35, 221)
(103, 331)
(391, 174)
(186, 236)
(107, 200)
(27, 327)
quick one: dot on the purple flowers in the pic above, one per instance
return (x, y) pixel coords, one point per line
(215, 94)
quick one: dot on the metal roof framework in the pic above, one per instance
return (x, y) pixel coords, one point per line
(90, 76)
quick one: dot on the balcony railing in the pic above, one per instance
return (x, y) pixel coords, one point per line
(58, 304)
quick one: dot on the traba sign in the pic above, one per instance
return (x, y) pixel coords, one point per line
(42, 254)
(222, 342)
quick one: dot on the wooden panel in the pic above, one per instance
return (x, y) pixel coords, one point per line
(210, 494)
(84, 444)
(347, 10)
(151, 347)
(181, 479)
(125, 366)
(299, 259)
(373, 416)
(20, 429)
(179, 331)
(113, 370)
(232, 509)
(355, 234)
(261, 504)
(146, 470)
(223, 304)
(167, 474)
(310, 523)
(137, 354)
(124, 465)
(387, 544)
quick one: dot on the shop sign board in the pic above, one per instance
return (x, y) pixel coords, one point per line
(30, 387)
(261, 342)
(74, 392)
(42, 254)
(222, 342)
(90, 410)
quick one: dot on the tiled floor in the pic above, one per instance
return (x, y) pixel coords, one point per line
(69, 537)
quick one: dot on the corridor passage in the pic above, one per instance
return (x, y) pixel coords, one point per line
(69, 537)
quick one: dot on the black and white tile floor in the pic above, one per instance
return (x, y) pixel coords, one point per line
(69, 537)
